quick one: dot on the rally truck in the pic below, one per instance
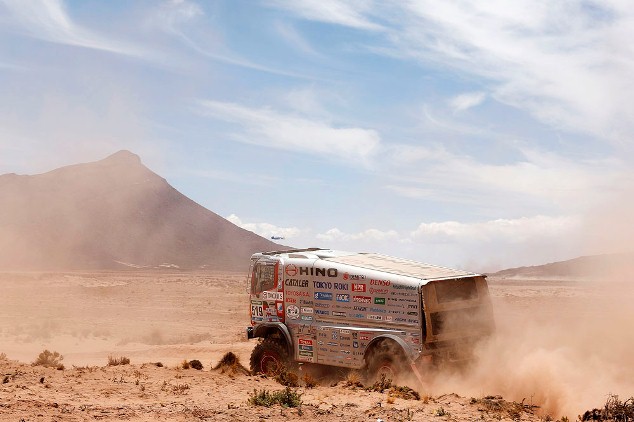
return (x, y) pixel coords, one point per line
(362, 311)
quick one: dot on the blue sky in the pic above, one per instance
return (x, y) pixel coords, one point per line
(482, 135)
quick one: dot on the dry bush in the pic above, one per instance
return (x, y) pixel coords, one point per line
(286, 398)
(180, 389)
(501, 407)
(286, 377)
(613, 410)
(3, 356)
(184, 364)
(403, 393)
(49, 359)
(309, 380)
(122, 360)
(381, 385)
(196, 364)
(353, 379)
(230, 364)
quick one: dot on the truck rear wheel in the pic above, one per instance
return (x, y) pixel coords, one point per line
(386, 361)
(269, 357)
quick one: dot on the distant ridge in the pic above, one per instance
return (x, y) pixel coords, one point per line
(593, 266)
(111, 214)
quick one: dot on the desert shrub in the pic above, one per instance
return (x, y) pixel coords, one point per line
(501, 407)
(353, 379)
(286, 377)
(286, 398)
(289, 398)
(196, 364)
(613, 410)
(122, 360)
(180, 388)
(184, 364)
(381, 385)
(403, 393)
(49, 359)
(3, 356)
(309, 380)
(230, 364)
(440, 412)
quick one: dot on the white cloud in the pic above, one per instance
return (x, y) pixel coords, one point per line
(518, 230)
(569, 64)
(48, 20)
(536, 175)
(335, 234)
(346, 13)
(266, 229)
(466, 101)
(268, 128)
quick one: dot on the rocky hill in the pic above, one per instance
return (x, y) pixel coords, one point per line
(113, 214)
(594, 266)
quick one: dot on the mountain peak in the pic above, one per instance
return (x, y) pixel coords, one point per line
(123, 156)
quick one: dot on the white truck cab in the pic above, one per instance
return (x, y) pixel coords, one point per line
(362, 310)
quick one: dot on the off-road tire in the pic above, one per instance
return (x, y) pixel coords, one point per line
(269, 357)
(386, 359)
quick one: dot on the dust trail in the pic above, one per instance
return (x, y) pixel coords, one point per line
(565, 353)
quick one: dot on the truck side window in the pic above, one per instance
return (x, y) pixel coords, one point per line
(263, 278)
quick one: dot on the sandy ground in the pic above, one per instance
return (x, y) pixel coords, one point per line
(171, 317)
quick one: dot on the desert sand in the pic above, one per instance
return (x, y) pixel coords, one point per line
(559, 350)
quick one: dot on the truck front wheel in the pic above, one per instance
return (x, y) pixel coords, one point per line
(269, 357)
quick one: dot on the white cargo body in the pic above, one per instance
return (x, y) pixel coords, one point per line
(362, 310)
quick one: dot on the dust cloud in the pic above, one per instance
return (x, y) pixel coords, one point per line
(561, 345)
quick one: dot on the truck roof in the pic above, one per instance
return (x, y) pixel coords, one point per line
(378, 262)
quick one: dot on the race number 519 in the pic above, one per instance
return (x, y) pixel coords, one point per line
(256, 309)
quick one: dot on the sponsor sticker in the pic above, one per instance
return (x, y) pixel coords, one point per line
(307, 310)
(290, 270)
(266, 295)
(358, 287)
(307, 317)
(338, 314)
(306, 341)
(342, 297)
(376, 317)
(294, 282)
(375, 290)
(362, 299)
(297, 293)
(323, 295)
(379, 301)
(292, 311)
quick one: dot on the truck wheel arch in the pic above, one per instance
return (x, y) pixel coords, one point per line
(275, 330)
(388, 341)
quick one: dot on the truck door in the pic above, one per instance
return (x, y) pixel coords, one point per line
(266, 293)
(299, 307)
